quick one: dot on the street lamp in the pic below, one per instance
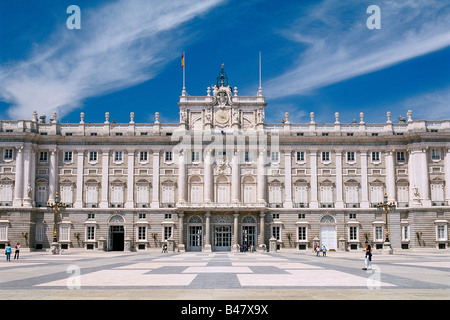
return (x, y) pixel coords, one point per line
(386, 206)
(55, 207)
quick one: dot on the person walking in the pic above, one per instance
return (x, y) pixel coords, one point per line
(16, 253)
(368, 256)
(324, 251)
(8, 252)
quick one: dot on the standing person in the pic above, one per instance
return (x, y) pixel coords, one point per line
(368, 256)
(16, 253)
(324, 251)
(8, 252)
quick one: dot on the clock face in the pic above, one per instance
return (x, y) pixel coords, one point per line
(221, 116)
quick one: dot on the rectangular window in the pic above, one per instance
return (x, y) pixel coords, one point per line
(276, 232)
(378, 233)
(275, 156)
(405, 233)
(118, 156)
(43, 156)
(91, 195)
(93, 156)
(248, 156)
(377, 194)
(143, 156)
(142, 194)
(67, 156)
(67, 194)
(441, 233)
(353, 233)
(90, 233)
(142, 233)
(6, 194)
(301, 233)
(437, 192)
(351, 156)
(275, 194)
(327, 194)
(402, 194)
(42, 195)
(222, 194)
(40, 233)
(325, 156)
(301, 194)
(117, 194)
(168, 156)
(3, 232)
(400, 156)
(352, 194)
(168, 194)
(300, 156)
(195, 156)
(195, 194)
(167, 233)
(375, 156)
(249, 195)
(8, 154)
(435, 154)
(64, 234)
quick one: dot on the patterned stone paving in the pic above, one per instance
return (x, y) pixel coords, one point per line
(36, 274)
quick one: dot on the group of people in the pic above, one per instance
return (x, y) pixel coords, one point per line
(318, 250)
(243, 248)
(8, 251)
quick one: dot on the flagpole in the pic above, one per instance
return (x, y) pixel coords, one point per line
(183, 65)
(260, 87)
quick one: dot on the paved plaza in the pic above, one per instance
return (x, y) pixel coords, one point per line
(225, 276)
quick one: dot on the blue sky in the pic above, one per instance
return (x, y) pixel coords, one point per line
(316, 56)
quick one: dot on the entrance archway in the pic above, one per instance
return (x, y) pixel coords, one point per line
(116, 233)
(328, 236)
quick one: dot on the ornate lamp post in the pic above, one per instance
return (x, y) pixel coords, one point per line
(55, 207)
(386, 206)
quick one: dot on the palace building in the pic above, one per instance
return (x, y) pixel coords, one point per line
(223, 176)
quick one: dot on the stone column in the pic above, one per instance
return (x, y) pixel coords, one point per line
(155, 195)
(339, 198)
(390, 176)
(53, 174)
(208, 183)
(18, 183)
(236, 228)
(208, 232)
(425, 178)
(130, 181)
(288, 179)
(182, 178)
(27, 177)
(235, 178)
(314, 201)
(364, 181)
(80, 185)
(447, 175)
(105, 179)
(181, 246)
(261, 178)
(261, 230)
(33, 175)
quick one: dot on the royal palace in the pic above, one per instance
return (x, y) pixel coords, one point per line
(222, 176)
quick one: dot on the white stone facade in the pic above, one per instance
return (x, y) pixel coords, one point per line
(222, 176)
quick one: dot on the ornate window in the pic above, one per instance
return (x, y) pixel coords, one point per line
(195, 219)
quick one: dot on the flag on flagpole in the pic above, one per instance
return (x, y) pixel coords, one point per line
(182, 61)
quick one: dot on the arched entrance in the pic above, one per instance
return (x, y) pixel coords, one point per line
(248, 234)
(116, 233)
(195, 234)
(328, 237)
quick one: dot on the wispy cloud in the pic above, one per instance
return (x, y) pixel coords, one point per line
(433, 105)
(120, 44)
(339, 46)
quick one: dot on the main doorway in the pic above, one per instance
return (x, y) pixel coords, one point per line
(116, 238)
(328, 237)
(249, 235)
(195, 238)
(222, 238)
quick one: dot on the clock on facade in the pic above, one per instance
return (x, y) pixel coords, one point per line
(222, 116)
